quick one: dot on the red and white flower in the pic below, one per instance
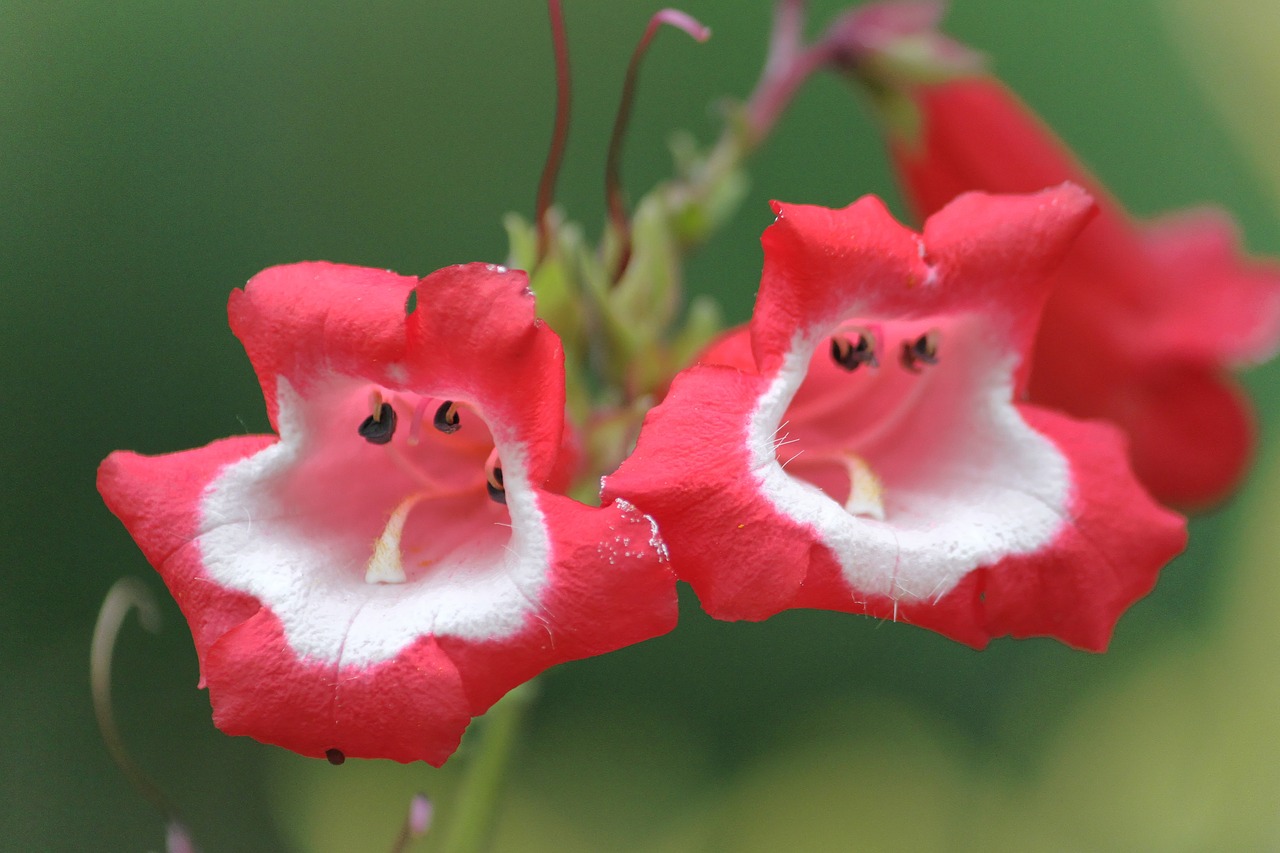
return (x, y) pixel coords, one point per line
(397, 558)
(1144, 321)
(865, 446)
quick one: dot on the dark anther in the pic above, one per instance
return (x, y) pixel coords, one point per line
(921, 351)
(852, 354)
(378, 428)
(335, 756)
(447, 419)
(493, 482)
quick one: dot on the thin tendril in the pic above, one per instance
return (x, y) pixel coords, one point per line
(785, 37)
(613, 164)
(560, 133)
(477, 801)
(788, 66)
(125, 595)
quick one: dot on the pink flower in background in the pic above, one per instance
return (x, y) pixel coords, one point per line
(1144, 321)
(865, 445)
(397, 558)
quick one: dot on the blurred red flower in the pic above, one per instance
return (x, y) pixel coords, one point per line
(1144, 322)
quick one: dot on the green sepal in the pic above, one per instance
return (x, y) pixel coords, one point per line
(721, 183)
(921, 59)
(551, 280)
(892, 73)
(522, 242)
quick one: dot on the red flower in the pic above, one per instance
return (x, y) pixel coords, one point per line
(864, 447)
(1144, 321)
(394, 561)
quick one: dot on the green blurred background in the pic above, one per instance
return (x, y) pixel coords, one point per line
(154, 155)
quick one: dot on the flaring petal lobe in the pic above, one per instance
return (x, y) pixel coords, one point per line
(351, 583)
(910, 482)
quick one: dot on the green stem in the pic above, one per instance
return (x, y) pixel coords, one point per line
(472, 826)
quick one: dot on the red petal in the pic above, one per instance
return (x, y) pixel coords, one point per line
(309, 321)
(605, 593)
(476, 336)
(1192, 433)
(1218, 304)
(691, 471)
(981, 253)
(732, 349)
(157, 498)
(411, 708)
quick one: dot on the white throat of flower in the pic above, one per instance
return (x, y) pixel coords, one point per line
(316, 582)
(998, 488)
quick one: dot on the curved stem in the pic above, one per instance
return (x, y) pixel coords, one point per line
(125, 595)
(788, 64)
(473, 822)
(613, 163)
(560, 133)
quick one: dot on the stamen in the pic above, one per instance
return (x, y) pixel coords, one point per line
(613, 162)
(385, 566)
(493, 477)
(447, 419)
(851, 355)
(865, 490)
(380, 426)
(921, 351)
(334, 756)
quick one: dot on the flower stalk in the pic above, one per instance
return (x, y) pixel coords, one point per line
(476, 808)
